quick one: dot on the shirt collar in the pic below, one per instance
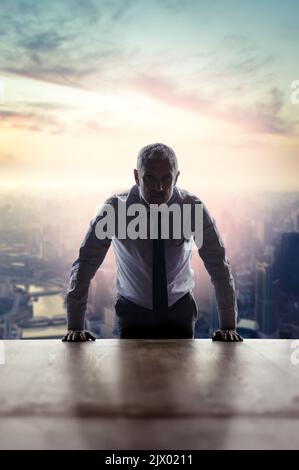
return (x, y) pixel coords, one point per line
(171, 200)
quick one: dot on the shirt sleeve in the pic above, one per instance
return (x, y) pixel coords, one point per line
(218, 266)
(91, 255)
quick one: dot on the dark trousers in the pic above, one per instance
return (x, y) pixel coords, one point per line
(139, 322)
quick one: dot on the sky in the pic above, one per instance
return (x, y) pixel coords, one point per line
(84, 84)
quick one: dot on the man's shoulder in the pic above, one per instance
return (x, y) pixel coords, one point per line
(186, 197)
(132, 195)
(112, 200)
(128, 195)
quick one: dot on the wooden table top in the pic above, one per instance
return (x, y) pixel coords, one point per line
(149, 394)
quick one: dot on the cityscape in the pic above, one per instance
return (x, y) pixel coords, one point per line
(40, 237)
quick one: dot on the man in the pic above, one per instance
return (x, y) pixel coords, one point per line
(154, 276)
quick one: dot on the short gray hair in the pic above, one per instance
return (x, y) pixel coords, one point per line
(152, 150)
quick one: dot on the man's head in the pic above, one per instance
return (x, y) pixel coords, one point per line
(156, 173)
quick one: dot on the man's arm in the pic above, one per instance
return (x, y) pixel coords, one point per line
(91, 255)
(218, 266)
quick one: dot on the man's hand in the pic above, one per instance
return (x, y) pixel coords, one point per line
(226, 335)
(78, 336)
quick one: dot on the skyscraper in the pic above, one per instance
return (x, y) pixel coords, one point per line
(266, 298)
(287, 263)
(296, 220)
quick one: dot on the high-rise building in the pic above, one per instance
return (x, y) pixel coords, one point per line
(287, 262)
(296, 220)
(266, 298)
(247, 328)
(6, 288)
(264, 231)
(214, 314)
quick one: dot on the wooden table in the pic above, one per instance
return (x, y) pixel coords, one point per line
(149, 394)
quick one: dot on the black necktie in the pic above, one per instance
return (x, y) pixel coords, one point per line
(160, 299)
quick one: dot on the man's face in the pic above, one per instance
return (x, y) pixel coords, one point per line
(156, 180)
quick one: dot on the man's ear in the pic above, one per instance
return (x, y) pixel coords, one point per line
(136, 176)
(176, 178)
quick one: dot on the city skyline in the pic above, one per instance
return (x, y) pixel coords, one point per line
(40, 239)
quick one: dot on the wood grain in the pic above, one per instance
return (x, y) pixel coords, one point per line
(149, 394)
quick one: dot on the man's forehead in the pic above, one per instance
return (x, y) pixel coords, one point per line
(158, 163)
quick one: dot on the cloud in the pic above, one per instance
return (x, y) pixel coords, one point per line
(44, 41)
(29, 121)
(87, 44)
(8, 162)
(47, 106)
(61, 42)
(261, 117)
(56, 118)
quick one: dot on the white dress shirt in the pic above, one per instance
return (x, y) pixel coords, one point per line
(134, 264)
